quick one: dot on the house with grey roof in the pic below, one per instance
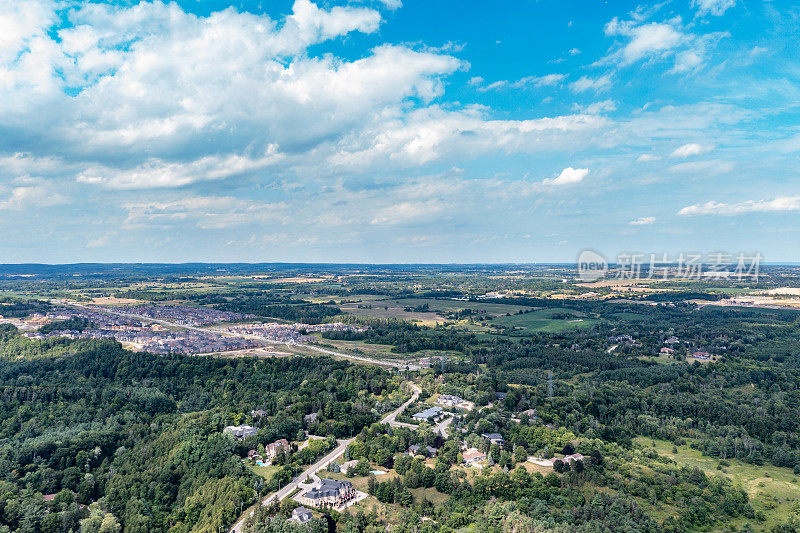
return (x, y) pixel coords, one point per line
(329, 493)
(301, 515)
(240, 432)
(431, 413)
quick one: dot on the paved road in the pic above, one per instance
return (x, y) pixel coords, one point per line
(322, 463)
(442, 426)
(391, 417)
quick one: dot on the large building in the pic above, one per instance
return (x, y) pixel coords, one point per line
(329, 493)
(431, 413)
(241, 432)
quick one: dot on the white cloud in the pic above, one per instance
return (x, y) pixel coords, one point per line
(215, 212)
(642, 221)
(568, 176)
(714, 7)
(779, 204)
(33, 196)
(584, 83)
(691, 149)
(392, 4)
(433, 133)
(494, 85)
(647, 158)
(409, 212)
(650, 42)
(600, 107)
(159, 173)
(644, 40)
(547, 80)
(703, 168)
(103, 240)
(125, 96)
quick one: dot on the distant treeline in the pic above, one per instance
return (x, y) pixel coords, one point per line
(13, 308)
(138, 437)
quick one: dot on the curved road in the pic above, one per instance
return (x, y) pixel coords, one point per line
(324, 462)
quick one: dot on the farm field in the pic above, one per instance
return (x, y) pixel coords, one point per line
(547, 320)
(397, 308)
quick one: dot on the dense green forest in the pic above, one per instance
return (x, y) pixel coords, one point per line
(139, 437)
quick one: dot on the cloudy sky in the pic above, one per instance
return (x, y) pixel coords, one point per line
(397, 131)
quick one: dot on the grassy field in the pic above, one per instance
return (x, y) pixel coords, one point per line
(773, 490)
(543, 320)
(264, 471)
(396, 308)
(432, 495)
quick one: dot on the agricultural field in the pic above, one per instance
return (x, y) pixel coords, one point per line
(551, 320)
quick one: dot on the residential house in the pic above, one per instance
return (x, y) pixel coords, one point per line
(494, 438)
(667, 351)
(472, 456)
(271, 450)
(449, 400)
(431, 413)
(418, 449)
(240, 432)
(301, 515)
(329, 493)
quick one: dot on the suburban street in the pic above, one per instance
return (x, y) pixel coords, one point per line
(324, 462)
(442, 426)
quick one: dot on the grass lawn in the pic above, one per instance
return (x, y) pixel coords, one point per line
(542, 320)
(773, 490)
(264, 471)
(432, 495)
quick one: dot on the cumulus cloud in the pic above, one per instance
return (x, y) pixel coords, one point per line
(690, 149)
(568, 176)
(127, 94)
(643, 40)
(642, 221)
(779, 204)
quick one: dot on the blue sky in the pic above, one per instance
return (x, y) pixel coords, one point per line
(389, 131)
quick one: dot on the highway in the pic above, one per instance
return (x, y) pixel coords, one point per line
(323, 463)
